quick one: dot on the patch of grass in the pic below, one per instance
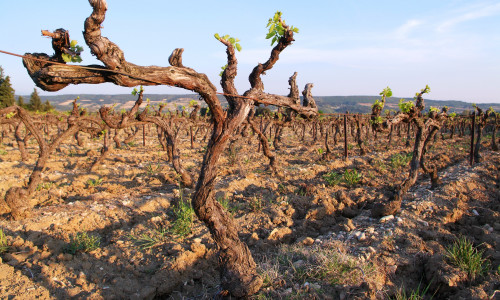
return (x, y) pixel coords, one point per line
(153, 170)
(379, 165)
(324, 264)
(232, 155)
(255, 204)
(418, 294)
(3, 152)
(300, 191)
(371, 175)
(82, 242)
(184, 218)
(4, 246)
(352, 177)
(94, 182)
(282, 188)
(44, 186)
(333, 178)
(225, 203)
(467, 258)
(399, 160)
(151, 239)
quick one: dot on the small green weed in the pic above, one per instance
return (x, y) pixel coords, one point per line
(324, 265)
(282, 188)
(418, 294)
(232, 155)
(4, 246)
(300, 191)
(184, 218)
(44, 186)
(352, 177)
(467, 258)
(321, 151)
(151, 239)
(3, 152)
(255, 204)
(379, 165)
(333, 178)
(132, 144)
(153, 170)
(400, 160)
(82, 242)
(94, 182)
(224, 202)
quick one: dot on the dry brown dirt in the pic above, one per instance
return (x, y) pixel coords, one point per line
(310, 239)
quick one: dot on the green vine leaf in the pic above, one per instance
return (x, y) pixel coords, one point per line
(74, 55)
(405, 107)
(136, 91)
(232, 40)
(277, 28)
(223, 68)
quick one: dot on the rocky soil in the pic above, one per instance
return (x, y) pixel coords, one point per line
(310, 231)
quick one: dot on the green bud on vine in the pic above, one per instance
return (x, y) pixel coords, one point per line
(232, 40)
(74, 55)
(277, 28)
(405, 107)
(434, 109)
(223, 68)
(135, 91)
(387, 92)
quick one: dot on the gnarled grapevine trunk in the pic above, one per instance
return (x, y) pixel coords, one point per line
(18, 199)
(362, 150)
(425, 131)
(237, 267)
(494, 145)
(481, 122)
(21, 141)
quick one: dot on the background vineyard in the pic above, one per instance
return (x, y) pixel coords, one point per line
(308, 225)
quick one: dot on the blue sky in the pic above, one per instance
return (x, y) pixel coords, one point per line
(343, 47)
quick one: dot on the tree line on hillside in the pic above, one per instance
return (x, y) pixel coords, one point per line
(7, 97)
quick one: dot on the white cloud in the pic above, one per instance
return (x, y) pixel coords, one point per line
(406, 28)
(470, 13)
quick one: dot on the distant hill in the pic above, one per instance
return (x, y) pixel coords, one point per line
(93, 102)
(327, 104)
(362, 104)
